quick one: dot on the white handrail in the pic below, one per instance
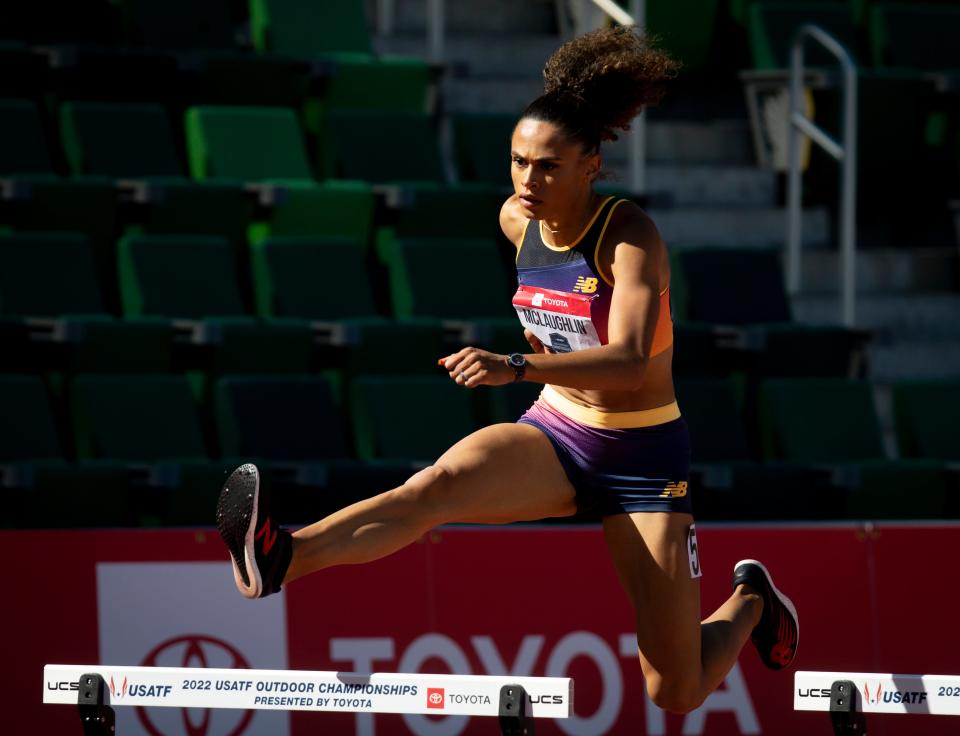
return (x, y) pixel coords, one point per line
(845, 153)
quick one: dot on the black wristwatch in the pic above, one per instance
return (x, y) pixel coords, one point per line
(518, 362)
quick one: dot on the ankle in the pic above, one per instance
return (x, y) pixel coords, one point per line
(752, 600)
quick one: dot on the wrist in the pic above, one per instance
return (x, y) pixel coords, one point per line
(517, 362)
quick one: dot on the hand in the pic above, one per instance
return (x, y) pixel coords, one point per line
(472, 367)
(534, 341)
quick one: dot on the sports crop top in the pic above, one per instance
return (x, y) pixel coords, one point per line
(564, 296)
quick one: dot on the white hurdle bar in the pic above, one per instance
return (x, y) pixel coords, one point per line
(880, 693)
(190, 687)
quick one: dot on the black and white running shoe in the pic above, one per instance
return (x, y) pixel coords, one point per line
(778, 633)
(260, 550)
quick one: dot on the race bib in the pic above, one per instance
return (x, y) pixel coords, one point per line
(560, 320)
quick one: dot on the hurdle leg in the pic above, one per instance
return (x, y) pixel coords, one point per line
(514, 720)
(96, 717)
(846, 719)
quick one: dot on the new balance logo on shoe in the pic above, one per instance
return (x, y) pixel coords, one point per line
(269, 538)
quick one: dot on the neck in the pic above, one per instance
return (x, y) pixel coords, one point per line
(563, 231)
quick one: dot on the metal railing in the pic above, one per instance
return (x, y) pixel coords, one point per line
(845, 154)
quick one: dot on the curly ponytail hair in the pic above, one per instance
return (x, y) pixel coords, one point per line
(598, 82)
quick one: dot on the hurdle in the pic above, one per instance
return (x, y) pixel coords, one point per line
(847, 696)
(95, 689)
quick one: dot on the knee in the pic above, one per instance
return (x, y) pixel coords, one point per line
(674, 693)
(429, 491)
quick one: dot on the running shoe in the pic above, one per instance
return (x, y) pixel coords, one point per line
(259, 549)
(778, 633)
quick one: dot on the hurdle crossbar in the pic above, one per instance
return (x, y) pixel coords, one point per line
(880, 693)
(191, 687)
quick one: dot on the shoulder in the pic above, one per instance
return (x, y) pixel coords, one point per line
(631, 225)
(512, 220)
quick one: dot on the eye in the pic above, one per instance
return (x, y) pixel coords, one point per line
(517, 160)
(547, 166)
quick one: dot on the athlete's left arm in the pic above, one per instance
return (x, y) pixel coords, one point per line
(619, 365)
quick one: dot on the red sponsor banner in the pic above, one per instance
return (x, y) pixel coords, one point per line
(549, 300)
(524, 601)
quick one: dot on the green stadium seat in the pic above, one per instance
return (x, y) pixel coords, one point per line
(482, 146)
(135, 418)
(422, 282)
(819, 421)
(181, 277)
(684, 29)
(245, 143)
(919, 37)
(120, 140)
(311, 278)
(309, 29)
(180, 24)
(382, 84)
(23, 146)
(280, 419)
(89, 206)
(363, 145)
(331, 209)
(382, 408)
(744, 289)
(463, 211)
(925, 415)
(750, 291)
(28, 430)
(41, 488)
(251, 80)
(834, 422)
(772, 25)
(47, 275)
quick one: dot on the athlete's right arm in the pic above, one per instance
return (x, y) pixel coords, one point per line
(512, 221)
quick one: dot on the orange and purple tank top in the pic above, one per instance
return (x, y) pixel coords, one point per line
(564, 295)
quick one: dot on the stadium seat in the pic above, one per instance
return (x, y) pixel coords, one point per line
(331, 209)
(47, 275)
(309, 29)
(423, 280)
(684, 29)
(119, 140)
(771, 27)
(245, 143)
(23, 146)
(382, 408)
(915, 36)
(28, 430)
(482, 146)
(154, 279)
(180, 24)
(323, 279)
(834, 422)
(382, 84)
(925, 415)
(283, 418)
(251, 80)
(363, 145)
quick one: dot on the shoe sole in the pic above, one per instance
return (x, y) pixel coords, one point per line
(784, 601)
(237, 523)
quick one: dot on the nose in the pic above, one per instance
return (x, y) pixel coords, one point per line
(529, 180)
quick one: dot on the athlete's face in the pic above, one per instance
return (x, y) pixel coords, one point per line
(551, 174)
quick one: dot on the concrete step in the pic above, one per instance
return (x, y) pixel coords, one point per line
(476, 16)
(728, 227)
(914, 360)
(696, 185)
(492, 94)
(883, 270)
(490, 56)
(924, 316)
(725, 142)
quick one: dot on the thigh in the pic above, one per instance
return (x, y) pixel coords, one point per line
(649, 551)
(503, 473)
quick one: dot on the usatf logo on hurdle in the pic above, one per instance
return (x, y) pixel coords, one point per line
(881, 693)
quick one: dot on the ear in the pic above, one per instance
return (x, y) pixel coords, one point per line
(594, 164)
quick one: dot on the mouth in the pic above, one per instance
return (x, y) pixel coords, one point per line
(530, 202)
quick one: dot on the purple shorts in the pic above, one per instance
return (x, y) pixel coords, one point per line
(616, 471)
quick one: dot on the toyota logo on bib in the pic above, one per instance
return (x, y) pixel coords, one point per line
(435, 698)
(537, 299)
(197, 650)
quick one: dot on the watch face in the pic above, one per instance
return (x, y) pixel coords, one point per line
(517, 360)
